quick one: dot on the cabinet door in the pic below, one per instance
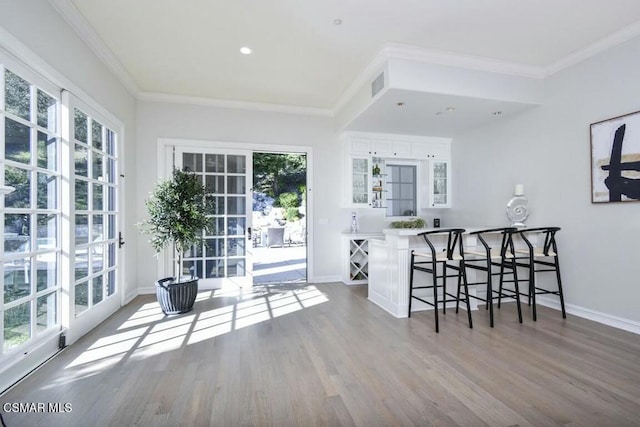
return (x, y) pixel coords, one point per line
(381, 147)
(402, 149)
(439, 183)
(358, 145)
(360, 172)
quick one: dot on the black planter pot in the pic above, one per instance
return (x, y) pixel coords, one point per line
(176, 298)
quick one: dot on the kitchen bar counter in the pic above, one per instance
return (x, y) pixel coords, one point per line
(389, 265)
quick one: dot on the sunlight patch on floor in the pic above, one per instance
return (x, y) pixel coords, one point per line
(148, 332)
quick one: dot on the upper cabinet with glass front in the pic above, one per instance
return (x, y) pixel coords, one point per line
(360, 172)
(439, 183)
(422, 167)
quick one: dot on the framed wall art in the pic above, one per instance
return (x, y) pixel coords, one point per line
(615, 159)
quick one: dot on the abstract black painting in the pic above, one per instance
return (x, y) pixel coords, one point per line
(615, 159)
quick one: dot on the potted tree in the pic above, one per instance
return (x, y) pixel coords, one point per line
(177, 217)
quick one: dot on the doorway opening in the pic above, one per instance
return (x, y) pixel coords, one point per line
(279, 218)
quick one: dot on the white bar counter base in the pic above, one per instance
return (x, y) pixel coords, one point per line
(389, 264)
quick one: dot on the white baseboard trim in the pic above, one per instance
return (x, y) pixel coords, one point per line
(324, 279)
(597, 316)
(147, 290)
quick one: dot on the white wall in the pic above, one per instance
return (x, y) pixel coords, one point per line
(548, 150)
(207, 123)
(39, 27)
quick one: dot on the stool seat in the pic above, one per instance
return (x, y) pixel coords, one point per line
(537, 252)
(495, 253)
(440, 256)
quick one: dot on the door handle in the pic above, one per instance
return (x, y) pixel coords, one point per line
(249, 236)
(120, 240)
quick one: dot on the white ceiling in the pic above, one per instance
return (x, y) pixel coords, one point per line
(191, 48)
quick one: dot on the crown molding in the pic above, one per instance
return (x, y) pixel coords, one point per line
(470, 62)
(228, 103)
(625, 34)
(80, 25)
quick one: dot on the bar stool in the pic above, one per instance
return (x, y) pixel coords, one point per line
(541, 258)
(450, 258)
(495, 254)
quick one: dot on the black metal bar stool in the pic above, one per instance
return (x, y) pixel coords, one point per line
(497, 250)
(449, 258)
(541, 257)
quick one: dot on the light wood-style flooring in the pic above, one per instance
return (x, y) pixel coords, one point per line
(308, 355)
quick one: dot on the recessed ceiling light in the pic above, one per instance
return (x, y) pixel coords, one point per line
(400, 104)
(439, 113)
(245, 50)
(497, 113)
(337, 21)
(450, 109)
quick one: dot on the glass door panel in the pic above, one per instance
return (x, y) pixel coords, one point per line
(223, 257)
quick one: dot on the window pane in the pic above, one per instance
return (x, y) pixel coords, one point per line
(47, 236)
(235, 268)
(195, 251)
(112, 227)
(111, 171)
(214, 248)
(111, 143)
(237, 226)
(111, 199)
(97, 260)
(98, 204)
(82, 229)
(98, 292)
(96, 135)
(236, 185)
(97, 165)
(81, 297)
(17, 95)
(17, 326)
(81, 157)
(192, 162)
(46, 273)
(215, 268)
(17, 232)
(236, 247)
(17, 283)
(17, 142)
(214, 184)
(21, 180)
(214, 163)
(80, 121)
(46, 312)
(112, 255)
(82, 195)
(47, 194)
(236, 205)
(81, 264)
(97, 228)
(47, 148)
(216, 204)
(47, 111)
(111, 284)
(236, 164)
(218, 227)
(192, 269)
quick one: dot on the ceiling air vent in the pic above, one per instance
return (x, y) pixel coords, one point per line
(377, 85)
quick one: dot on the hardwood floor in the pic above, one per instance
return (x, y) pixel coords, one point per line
(323, 355)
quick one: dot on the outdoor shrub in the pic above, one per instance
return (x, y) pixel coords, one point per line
(288, 200)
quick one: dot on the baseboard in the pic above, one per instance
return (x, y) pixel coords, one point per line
(324, 279)
(597, 316)
(147, 290)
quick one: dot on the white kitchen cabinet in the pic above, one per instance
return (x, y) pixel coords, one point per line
(355, 269)
(439, 180)
(360, 173)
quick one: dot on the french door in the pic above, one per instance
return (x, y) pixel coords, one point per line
(224, 258)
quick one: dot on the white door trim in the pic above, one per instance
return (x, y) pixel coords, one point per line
(165, 163)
